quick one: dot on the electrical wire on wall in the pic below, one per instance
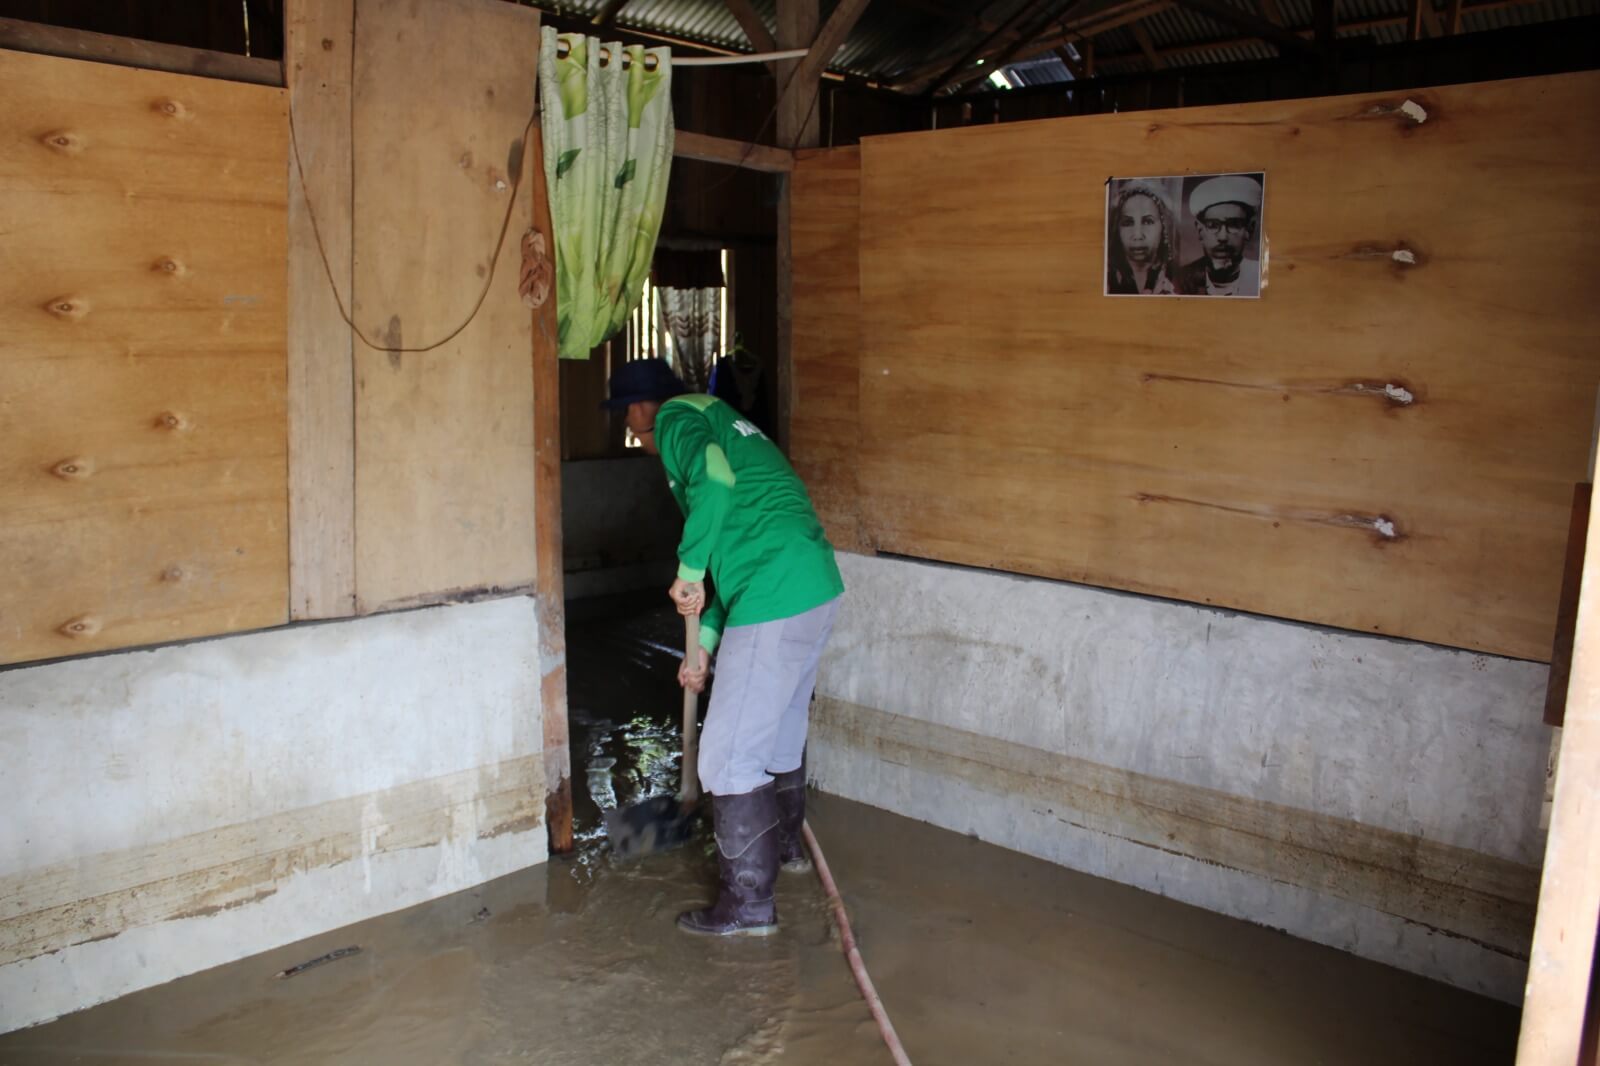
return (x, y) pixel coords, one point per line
(322, 251)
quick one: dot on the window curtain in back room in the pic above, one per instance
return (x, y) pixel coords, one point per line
(607, 128)
(689, 286)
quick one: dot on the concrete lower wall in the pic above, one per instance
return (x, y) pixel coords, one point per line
(1374, 795)
(619, 526)
(173, 809)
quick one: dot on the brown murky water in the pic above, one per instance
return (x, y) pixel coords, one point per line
(981, 955)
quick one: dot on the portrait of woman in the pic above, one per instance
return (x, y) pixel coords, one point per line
(1141, 239)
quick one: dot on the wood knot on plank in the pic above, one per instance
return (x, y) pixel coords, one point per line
(173, 574)
(1392, 393)
(1382, 527)
(85, 625)
(1400, 256)
(64, 141)
(170, 108)
(171, 421)
(68, 307)
(76, 468)
(168, 266)
(1409, 113)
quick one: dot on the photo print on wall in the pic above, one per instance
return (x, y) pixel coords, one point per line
(1185, 235)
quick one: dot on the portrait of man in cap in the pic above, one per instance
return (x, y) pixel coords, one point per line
(1222, 244)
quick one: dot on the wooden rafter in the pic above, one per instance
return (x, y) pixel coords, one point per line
(829, 39)
(1272, 12)
(994, 60)
(1200, 49)
(1071, 30)
(1452, 18)
(1414, 20)
(942, 73)
(608, 13)
(1240, 19)
(1080, 31)
(761, 39)
(1147, 46)
(1072, 62)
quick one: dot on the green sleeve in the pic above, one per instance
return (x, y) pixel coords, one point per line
(698, 463)
(712, 623)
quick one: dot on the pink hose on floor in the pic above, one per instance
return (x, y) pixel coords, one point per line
(848, 942)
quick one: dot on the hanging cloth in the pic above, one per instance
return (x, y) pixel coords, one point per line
(694, 318)
(607, 128)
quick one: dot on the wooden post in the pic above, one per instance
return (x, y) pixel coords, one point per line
(318, 57)
(549, 580)
(798, 127)
(1560, 964)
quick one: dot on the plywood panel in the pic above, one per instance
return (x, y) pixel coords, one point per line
(1243, 453)
(444, 438)
(825, 221)
(142, 447)
(319, 49)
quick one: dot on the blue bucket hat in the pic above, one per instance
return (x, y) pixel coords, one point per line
(642, 381)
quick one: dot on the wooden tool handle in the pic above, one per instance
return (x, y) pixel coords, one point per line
(691, 712)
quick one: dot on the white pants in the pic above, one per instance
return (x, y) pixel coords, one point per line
(756, 726)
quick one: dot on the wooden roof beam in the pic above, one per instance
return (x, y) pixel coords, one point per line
(1072, 31)
(608, 13)
(1080, 32)
(708, 149)
(40, 39)
(1148, 46)
(1179, 52)
(998, 58)
(744, 12)
(1072, 63)
(828, 42)
(1254, 25)
(942, 73)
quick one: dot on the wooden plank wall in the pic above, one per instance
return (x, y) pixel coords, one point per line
(1229, 452)
(824, 425)
(444, 466)
(142, 441)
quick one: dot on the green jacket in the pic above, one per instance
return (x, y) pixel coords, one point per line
(747, 518)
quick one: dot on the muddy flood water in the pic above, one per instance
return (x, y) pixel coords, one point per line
(981, 955)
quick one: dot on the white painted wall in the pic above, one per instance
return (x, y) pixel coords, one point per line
(281, 747)
(1440, 745)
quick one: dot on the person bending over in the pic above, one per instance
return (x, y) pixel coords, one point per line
(748, 522)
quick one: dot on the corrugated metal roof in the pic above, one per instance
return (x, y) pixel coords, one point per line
(898, 36)
(1047, 70)
(888, 40)
(1187, 39)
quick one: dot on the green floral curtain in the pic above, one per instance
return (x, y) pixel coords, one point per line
(607, 128)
